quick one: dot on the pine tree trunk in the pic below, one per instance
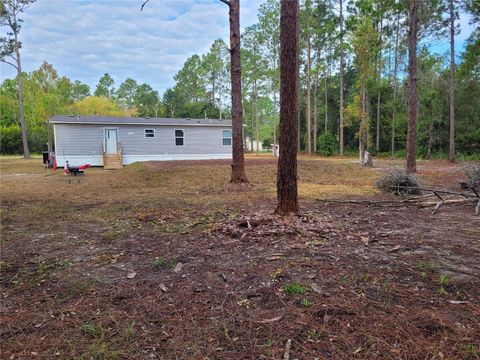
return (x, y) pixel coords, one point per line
(252, 119)
(308, 110)
(238, 161)
(256, 119)
(361, 130)
(287, 193)
(21, 112)
(326, 105)
(341, 79)
(412, 87)
(377, 139)
(315, 112)
(274, 123)
(452, 83)
(430, 139)
(395, 68)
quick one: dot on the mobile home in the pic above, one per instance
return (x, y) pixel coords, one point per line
(112, 141)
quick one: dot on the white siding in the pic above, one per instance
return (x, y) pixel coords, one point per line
(84, 143)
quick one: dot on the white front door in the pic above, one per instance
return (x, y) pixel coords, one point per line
(111, 141)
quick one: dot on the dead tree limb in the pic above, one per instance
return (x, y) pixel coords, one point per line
(440, 191)
(143, 5)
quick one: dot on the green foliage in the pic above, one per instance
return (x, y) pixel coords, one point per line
(294, 288)
(105, 86)
(162, 263)
(307, 303)
(98, 105)
(202, 84)
(443, 281)
(93, 330)
(11, 142)
(327, 144)
(470, 351)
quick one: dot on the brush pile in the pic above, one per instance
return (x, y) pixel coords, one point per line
(473, 175)
(398, 182)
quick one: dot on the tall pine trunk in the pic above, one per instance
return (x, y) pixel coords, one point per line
(252, 118)
(379, 72)
(326, 104)
(21, 112)
(412, 87)
(238, 161)
(275, 123)
(287, 193)
(452, 83)
(256, 119)
(341, 78)
(315, 110)
(308, 110)
(395, 68)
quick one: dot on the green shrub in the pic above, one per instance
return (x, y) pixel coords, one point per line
(294, 288)
(327, 144)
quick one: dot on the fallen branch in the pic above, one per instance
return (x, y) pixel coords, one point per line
(418, 201)
(377, 202)
(435, 191)
(449, 201)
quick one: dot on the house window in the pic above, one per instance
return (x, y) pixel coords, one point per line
(149, 133)
(227, 137)
(179, 137)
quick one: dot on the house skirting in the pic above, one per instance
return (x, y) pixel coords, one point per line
(97, 160)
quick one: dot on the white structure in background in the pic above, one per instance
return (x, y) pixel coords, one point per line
(248, 146)
(275, 153)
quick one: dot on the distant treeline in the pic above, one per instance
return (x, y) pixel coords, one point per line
(366, 49)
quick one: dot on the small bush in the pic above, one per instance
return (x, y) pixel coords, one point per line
(327, 144)
(294, 288)
(307, 302)
(162, 263)
(398, 182)
(93, 329)
(473, 175)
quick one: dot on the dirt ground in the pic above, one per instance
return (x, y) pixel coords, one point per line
(167, 260)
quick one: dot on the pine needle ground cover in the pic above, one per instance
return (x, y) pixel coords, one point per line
(167, 260)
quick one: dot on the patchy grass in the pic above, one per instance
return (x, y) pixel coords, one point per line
(294, 288)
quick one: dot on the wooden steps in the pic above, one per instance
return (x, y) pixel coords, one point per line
(112, 161)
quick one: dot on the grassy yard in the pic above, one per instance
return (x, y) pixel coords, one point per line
(167, 260)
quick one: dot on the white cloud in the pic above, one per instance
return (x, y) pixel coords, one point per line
(84, 39)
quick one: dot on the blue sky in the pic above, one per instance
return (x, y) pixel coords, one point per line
(85, 39)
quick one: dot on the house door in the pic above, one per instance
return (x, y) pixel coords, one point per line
(111, 141)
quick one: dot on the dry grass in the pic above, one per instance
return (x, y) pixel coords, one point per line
(66, 250)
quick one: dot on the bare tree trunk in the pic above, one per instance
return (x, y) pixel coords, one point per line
(220, 106)
(452, 83)
(299, 121)
(395, 67)
(256, 119)
(412, 87)
(315, 112)
(238, 161)
(326, 105)
(341, 78)
(274, 123)
(377, 139)
(361, 130)
(430, 139)
(21, 112)
(308, 110)
(287, 193)
(252, 119)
